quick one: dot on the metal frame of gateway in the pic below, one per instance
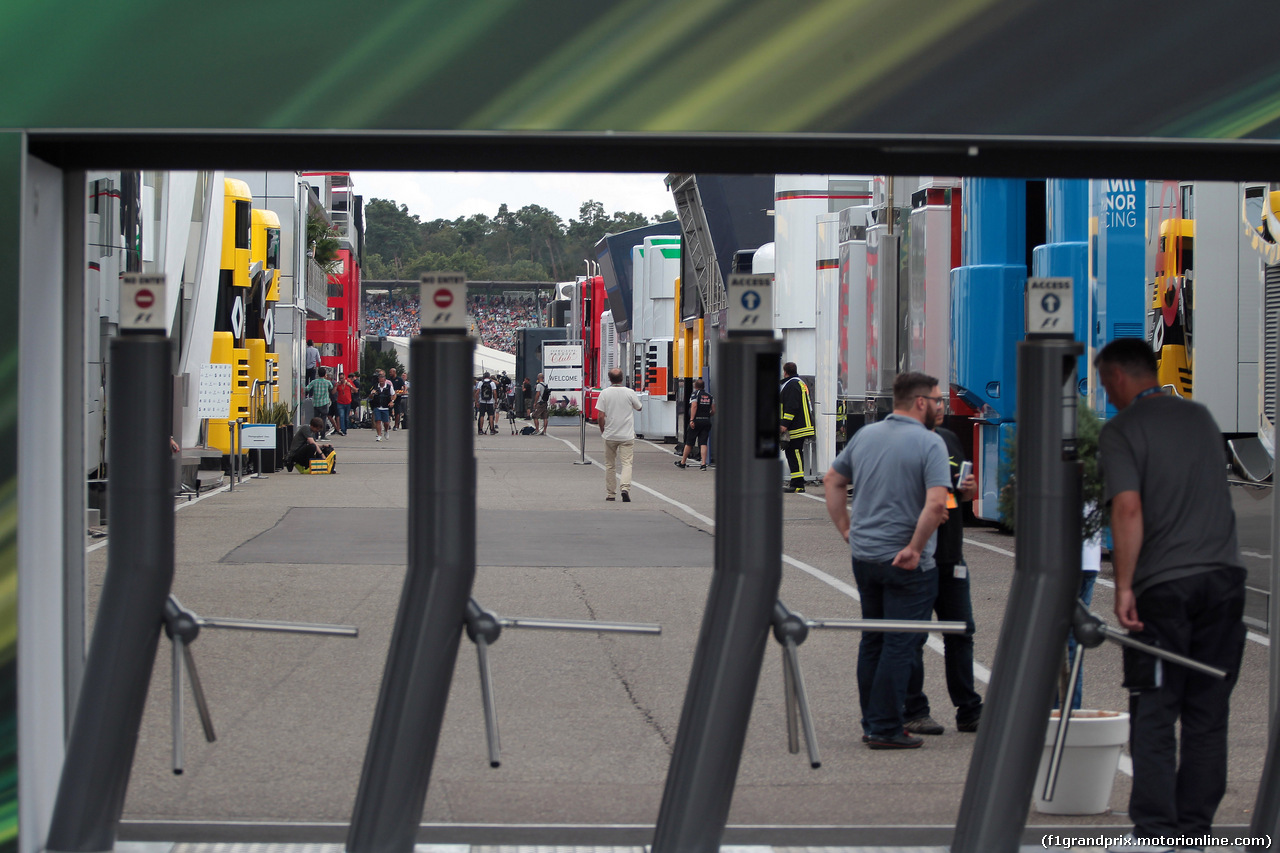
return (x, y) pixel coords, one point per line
(73, 151)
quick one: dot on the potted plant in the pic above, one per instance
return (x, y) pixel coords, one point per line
(1094, 738)
(565, 414)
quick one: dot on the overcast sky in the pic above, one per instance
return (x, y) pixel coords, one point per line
(448, 195)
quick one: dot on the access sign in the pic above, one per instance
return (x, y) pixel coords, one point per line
(750, 305)
(1050, 311)
(142, 303)
(444, 302)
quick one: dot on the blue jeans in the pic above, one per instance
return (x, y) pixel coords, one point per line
(886, 659)
(952, 605)
(344, 414)
(1087, 580)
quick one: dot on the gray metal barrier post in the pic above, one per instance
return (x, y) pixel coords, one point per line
(122, 652)
(744, 584)
(437, 587)
(1046, 580)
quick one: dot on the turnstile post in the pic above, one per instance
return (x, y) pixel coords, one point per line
(437, 587)
(744, 590)
(1046, 580)
(126, 633)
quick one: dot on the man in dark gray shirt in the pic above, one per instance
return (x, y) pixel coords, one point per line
(1179, 583)
(900, 476)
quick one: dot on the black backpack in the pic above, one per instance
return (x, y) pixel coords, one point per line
(486, 391)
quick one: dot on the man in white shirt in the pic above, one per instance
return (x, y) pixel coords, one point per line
(615, 412)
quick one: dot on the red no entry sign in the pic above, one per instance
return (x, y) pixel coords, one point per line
(443, 298)
(144, 298)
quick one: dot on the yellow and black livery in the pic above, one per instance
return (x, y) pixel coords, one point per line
(230, 321)
(1171, 304)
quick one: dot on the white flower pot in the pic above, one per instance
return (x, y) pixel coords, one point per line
(1089, 762)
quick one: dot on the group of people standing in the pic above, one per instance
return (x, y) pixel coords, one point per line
(894, 493)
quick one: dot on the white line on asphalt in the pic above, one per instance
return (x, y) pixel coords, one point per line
(101, 544)
(979, 671)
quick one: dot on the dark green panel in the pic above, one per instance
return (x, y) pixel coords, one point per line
(12, 154)
(1086, 68)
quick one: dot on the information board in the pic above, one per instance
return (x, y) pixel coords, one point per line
(258, 437)
(213, 395)
(563, 378)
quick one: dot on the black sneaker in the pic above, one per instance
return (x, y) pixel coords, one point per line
(680, 464)
(968, 725)
(626, 497)
(701, 467)
(902, 741)
(925, 725)
(793, 489)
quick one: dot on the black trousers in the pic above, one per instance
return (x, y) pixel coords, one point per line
(793, 449)
(1200, 617)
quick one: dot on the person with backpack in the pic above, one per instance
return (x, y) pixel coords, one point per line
(380, 402)
(486, 395)
(701, 407)
(541, 399)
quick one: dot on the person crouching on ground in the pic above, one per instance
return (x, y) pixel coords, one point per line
(306, 447)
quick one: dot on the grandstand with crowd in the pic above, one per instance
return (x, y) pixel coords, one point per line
(498, 315)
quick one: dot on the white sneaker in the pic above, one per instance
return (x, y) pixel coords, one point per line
(377, 438)
(1130, 845)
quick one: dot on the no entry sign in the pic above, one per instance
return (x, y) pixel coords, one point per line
(443, 300)
(142, 303)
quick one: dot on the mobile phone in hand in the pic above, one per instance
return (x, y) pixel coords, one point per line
(966, 468)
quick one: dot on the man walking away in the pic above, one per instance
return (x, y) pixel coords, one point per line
(1179, 584)
(320, 390)
(615, 412)
(899, 472)
(541, 399)
(313, 361)
(797, 424)
(953, 604)
(701, 407)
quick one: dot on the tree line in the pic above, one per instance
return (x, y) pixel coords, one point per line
(529, 244)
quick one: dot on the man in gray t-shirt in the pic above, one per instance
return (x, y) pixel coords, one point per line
(900, 474)
(1179, 584)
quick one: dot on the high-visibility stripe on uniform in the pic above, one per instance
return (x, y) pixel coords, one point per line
(799, 423)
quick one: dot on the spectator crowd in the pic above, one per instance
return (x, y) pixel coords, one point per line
(389, 315)
(497, 316)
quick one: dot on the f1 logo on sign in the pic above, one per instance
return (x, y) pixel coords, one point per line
(142, 303)
(1050, 308)
(444, 301)
(750, 304)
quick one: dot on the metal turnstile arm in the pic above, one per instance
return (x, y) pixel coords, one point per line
(182, 627)
(791, 629)
(484, 628)
(1091, 632)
